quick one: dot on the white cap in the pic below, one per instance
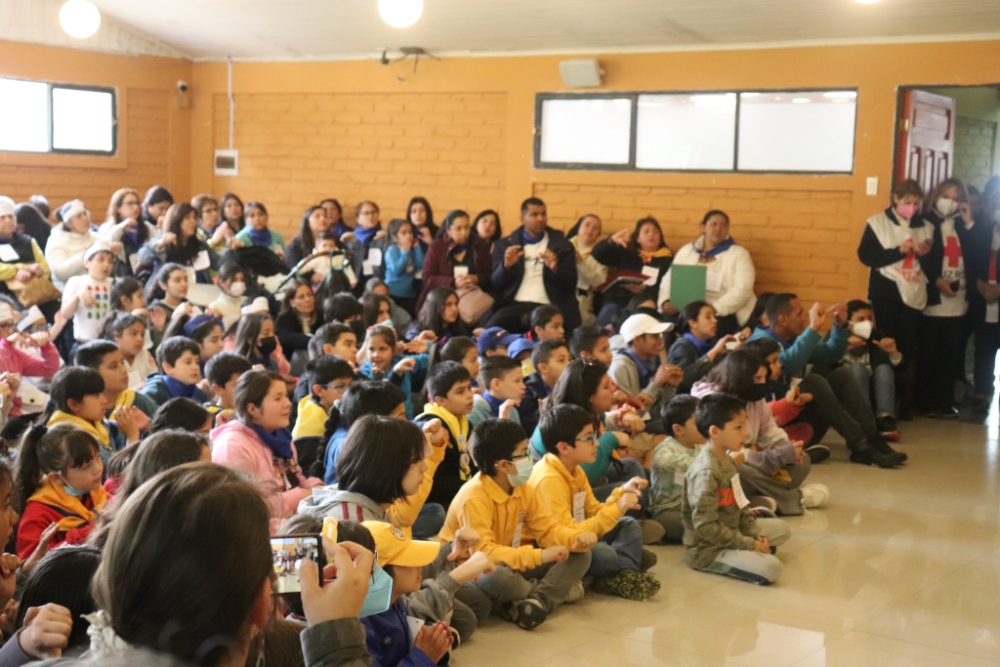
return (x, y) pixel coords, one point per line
(97, 246)
(258, 305)
(71, 209)
(637, 325)
(6, 206)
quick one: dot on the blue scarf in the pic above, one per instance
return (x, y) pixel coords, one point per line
(260, 237)
(528, 239)
(178, 389)
(722, 247)
(494, 402)
(700, 345)
(459, 248)
(131, 237)
(279, 442)
(785, 344)
(646, 371)
(365, 236)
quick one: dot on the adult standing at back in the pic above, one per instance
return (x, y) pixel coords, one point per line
(456, 259)
(642, 250)
(730, 277)
(532, 267)
(21, 259)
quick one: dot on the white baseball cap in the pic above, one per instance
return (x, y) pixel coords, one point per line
(638, 325)
(97, 246)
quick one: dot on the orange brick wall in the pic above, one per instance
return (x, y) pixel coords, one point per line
(147, 130)
(802, 241)
(298, 149)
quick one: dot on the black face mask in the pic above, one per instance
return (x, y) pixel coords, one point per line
(759, 392)
(267, 346)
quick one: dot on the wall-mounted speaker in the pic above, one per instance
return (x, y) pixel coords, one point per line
(584, 73)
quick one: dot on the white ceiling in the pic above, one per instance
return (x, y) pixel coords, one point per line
(289, 29)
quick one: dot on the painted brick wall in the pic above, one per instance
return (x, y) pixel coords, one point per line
(974, 142)
(801, 241)
(298, 149)
(147, 165)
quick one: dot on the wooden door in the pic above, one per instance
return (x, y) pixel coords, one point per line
(926, 146)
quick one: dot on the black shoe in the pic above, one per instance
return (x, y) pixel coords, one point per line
(886, 424)
(817, 453)
(866, 454)
(882, 447)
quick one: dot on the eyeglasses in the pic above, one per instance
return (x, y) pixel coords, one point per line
(519, 457)
(6, 326)
(590, 438)
(337, 387)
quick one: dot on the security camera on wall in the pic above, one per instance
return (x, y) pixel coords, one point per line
(584, 73)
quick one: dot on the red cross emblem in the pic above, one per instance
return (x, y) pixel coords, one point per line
(952, 251)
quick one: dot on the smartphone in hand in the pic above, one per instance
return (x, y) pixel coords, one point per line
(288, 552)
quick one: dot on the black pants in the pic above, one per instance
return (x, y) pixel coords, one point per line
(902, 324)
(515, 318)
(987, 344)
(838, 403)
(941, 349)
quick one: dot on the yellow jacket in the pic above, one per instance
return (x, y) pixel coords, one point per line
(555, 488)
(404, 511)
(311, 422)
(8, 270)
(486, 508)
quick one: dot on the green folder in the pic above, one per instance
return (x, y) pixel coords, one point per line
(687, 284)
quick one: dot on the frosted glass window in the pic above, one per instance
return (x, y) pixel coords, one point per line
(82, 120)
(686, 131)
(586, 131)
(811, 131)
(24, 116)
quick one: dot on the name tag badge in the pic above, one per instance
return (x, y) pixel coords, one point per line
(415, 625)
(579, 506)
(366, 268)
(679, 477)
(375, 256)
(516, 542)
(461, 271)
(741, 498)
(419, 275)
(651, 273)
(8, 254)
(713, 281)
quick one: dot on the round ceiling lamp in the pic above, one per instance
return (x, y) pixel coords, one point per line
(398, 13)
(80, 18)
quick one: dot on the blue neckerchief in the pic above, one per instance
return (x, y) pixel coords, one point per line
(785, 344)
(131, 237)
(494, 402)
(260, 237)
(178, 389)
(459, 248)
(365, 236)
(528, 239)
(279, 442)
(646, 371)
(722, 247)
(700, 345)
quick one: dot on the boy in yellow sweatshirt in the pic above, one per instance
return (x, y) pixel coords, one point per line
(529, 582)
(619, 562)
(328, 377)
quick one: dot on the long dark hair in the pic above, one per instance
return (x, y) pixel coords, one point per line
(251, 389)
(306, 233)
(289, 296)
(430, 216)
(63, 577)
(154, 290)
(575, 229)
(182, 254)
(222, 210)
(376, 456)
(496, 232)
(449, 220)
(577, 385)
(430, 318)
(633, 241)
(42, 451)
(735, 374)
(371, 303)
(247, 333)
(690, 313)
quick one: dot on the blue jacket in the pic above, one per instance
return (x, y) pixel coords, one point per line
(405, 382)
(401, 270)
(808, 348)
(156, 390)
(389, 642)
(332, 452)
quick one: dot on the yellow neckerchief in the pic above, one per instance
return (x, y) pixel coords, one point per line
(77, 514)
(97, 430)
(662, 252)
(459, 427)
(125, 399)
(580, 248)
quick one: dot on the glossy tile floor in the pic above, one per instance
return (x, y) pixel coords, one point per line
(901, 569)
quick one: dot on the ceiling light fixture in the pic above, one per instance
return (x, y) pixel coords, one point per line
(399, 13)
(80, 18)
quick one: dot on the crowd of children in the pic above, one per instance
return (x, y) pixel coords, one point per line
(451, 469)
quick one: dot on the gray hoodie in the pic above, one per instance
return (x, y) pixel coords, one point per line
(342, 505)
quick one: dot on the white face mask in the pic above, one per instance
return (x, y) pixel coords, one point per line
(237, 289)
(862, 329)
(524, 467)
(946, 206)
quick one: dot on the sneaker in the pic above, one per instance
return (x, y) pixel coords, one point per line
(886, 423)
(868, 455)
(763, 513)
(526, 614)
(649, 559)
(652, 531)
(575, 593)
(629, 585)
(814, 495)
(763, 501)
(891, 436)
(817, 453)
(881, 446)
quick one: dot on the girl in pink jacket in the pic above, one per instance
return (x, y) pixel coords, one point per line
(259, 444)
(13, 360)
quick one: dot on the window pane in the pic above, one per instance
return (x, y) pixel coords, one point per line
(797, 131)
(588, 131)
(24, 116)
(686, 131)
(82, 120)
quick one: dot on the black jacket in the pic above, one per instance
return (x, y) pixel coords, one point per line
(527, 411)
(977, 265)
(873, 255)
(288, 328)
(612, 255)
(935, 258)
(560, 285)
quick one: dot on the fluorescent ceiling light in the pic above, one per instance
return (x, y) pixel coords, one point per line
(80, 18)
(400, 13)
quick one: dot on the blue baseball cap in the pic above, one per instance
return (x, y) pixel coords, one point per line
(494, 337)
(519, 346)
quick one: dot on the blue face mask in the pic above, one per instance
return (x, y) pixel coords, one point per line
(379, 593)
(76, 493)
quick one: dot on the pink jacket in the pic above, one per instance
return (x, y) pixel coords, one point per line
(237, 446)
(13, 360)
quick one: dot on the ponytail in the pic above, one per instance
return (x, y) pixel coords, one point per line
(43, 450)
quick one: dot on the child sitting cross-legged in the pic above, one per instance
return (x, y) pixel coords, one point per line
(619, 561)
(450, 397)
(503, 389)
(180, 363)
(529, 582)
(721, 534)
(671, 459)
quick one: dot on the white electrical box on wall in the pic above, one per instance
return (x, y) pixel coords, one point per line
(227, 162)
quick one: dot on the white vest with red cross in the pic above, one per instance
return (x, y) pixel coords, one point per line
(906, 273)
(952, 269)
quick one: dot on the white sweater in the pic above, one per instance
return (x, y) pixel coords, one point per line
(64, 254)
(738, 276)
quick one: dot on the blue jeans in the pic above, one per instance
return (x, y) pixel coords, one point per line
(612, 479)
(619, 549)
(883, 381)
(429, 521)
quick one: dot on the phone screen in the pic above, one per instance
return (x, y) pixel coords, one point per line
(288, 552)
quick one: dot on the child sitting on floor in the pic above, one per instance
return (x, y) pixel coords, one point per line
(503, 389)
(671, 459)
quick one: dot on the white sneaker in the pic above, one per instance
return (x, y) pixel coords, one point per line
(814, 495)
(763, 501)
(575, 593)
